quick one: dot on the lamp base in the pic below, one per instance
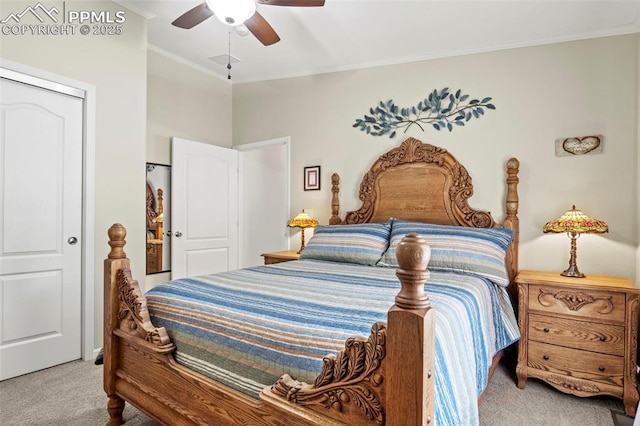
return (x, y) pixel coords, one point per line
(573, 272)
(302, 241)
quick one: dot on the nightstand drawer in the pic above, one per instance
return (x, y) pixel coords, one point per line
(592, 305)
(592, 366)
(603, 338)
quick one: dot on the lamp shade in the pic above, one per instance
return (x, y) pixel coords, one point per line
(303, 220)
(232, 12)
(576, 222)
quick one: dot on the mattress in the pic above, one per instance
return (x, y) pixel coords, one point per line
(246, 328)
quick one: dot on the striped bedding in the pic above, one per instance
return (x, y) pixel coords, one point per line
(246, 328)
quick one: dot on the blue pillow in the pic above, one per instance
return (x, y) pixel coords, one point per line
(476, 251)
(359, 243)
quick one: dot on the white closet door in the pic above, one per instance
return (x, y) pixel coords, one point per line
(40, 228)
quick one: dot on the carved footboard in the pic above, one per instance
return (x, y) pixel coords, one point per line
(383, 379)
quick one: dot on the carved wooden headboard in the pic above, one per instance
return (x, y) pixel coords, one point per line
(423, 183)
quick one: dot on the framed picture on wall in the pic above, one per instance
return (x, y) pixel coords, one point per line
(312, 178)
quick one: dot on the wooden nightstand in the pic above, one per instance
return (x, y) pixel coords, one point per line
(280, 256)
(154, 256)
(579, 334)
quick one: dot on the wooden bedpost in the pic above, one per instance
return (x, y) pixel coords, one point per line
(116, 260)
(335, 200)
(160, 218)
(126, 324)
(512, 222)
(390, 375)
(410, 356)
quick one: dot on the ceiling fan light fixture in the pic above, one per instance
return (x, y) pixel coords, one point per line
(232, 12)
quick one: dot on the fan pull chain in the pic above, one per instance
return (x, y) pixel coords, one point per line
(229, 58)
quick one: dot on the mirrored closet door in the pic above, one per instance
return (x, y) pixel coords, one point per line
(158, 218)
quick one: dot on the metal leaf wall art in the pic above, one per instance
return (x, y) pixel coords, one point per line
(442, 110)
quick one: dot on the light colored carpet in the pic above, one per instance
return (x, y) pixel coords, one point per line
(71, 394)
(67, 395)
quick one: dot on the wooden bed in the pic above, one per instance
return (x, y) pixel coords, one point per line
(393, 380)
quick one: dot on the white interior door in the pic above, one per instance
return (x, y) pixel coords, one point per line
(264, 199)
(204, 207)
(41, 224)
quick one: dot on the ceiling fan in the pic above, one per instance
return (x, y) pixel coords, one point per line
(238, 12)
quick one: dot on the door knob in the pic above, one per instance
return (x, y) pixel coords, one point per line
(178, 234)
(72, 240)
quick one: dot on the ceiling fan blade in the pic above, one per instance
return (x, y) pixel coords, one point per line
(298, 3)
(193, 17)
(261, 29)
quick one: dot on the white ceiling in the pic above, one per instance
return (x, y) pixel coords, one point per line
(350, 34)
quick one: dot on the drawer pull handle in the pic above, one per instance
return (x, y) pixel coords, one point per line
(546, 357)
(601, 368)
(603, 339)
(546, 330)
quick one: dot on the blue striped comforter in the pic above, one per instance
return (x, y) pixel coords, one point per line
(246, 328)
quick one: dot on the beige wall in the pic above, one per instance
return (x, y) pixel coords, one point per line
(638, 160)
(541, 94)
(117, 67)
(185, 102)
